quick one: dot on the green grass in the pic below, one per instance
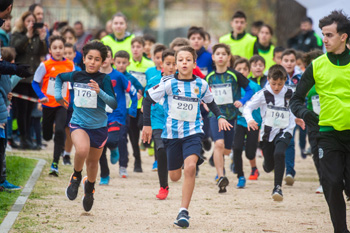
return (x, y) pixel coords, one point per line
(18, 171)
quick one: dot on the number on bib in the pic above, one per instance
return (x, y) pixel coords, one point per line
(184, 108)
(316, 106)
(84, 97)
(51, 87)
(277, 117)
(222, 93)
(141, 77)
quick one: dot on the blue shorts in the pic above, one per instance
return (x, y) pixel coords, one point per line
(226, 135)
(180, 148)
(98, 137)
(69, 116)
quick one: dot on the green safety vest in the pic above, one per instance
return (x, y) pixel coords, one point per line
(268, 56)
(118, 45)
(243, 47)
(332, 84)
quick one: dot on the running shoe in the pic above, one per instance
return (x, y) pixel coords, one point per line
(114, 156)
(104, 180)
(277, 193)
(254, 174)
(137, 166)
(182, 219)
(66, 160)
(211, 160)
(241, 182)
(319, 190)
(88, 198)
(54, 169)
(150, 151)
(123, 172)
(289, 179)
(206, 144)
(222, 183)
(8, 186)
(73, 186)
(217, 177)
(142, 147)
(155, 166)
(163, 193)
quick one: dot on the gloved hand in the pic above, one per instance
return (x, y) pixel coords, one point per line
(22, 71)
(311, 119)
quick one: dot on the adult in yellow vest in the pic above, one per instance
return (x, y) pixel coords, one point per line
(120, 39)
(264, 46)
(241, 43)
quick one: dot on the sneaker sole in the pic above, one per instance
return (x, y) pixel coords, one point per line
(67, 188)
(289, 180)
(222, 185)
(253, 178)
(53, 173)
(182, 222)
(82, 199)
(277, 197)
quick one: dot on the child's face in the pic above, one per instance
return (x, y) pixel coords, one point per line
(121, 63)
(93, 61)
(107, 62)
(157, 59)
(169, 65)
(196, 41)
(238, 25)
(69, 37)
(278, 58)
(57, 49)
(289, 62)
(264, 35)
(206, 42)
(69, 53)
(119, 25)
(301, 64)
(220, 57)
(243, 69)
(147, 48)
(185, 63)
(276, 85)
(257, 68)
(136, 50)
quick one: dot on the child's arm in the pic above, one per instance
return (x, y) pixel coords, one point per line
(129, 88)
(38, 77)
(243, 82)
(107, 94)
(256, 101)
(64, 77)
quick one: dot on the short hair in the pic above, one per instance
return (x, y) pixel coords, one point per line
(268, 27)
(239, 14)
(278, 49)
(241, 60)
(312, 55)
(158, 48)
(258, 23)
(67, 29)
(306, 19)
(341, 19)
(289, 52)
(95, 45)
(69, 45)
(120, 14)
(187, 49)
(208, 35)
(109, 50)
(167, 53)
(78, 22)
(224, 46)
(300, 55)
(5, 4)
(277, 72)
(196, 30)
(54, 38)
(122, 54)
(257, 58)
(148, 37)
(8, 54)
(33, 6)
(138, 39)
(179, 42)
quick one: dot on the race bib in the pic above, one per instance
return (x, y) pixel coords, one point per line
(204, 70)
(141, 77)
(127, 100)
(277, 117)
(51, 88)
(316, 106)
(84, 97)
(184, 108)
(222, 93)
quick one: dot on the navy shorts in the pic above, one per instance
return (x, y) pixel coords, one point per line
(226, 135)
(98, 137)
(180, 148)
(69, 116)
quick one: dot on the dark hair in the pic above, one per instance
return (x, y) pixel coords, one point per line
(268, 27)
(120, 14)
(8, 54)
(239, 14)
(78, 22)
(179, 41)
(342, 21)
(98, 34)
(95, 45)
(208, 35)
(167, 53)
(241, 60)
(196, 30)
(33, 6)
(69, 45)
(109, 49)
(278, 49)
(289, 52)
(158, 48)
(53, 38)
(256, 58)
(277, 72)
(68, 29)
(148, 37)
(300, 55)
(5, 4)
(138, 39)
(187, 49)
(122, 54)
(306, 19)
(258, 23)
(224, 46)
(312, 55)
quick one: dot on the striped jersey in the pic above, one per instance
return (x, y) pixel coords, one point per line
(181, 105)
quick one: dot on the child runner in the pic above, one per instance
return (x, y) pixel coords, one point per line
(92, 91)
(277, 54)
(182, 133)
(68, 34)
(225, 84)
(277, 126)
(44, 86)
(117, 117)
(149, 43)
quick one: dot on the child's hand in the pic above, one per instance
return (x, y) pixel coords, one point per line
(300, 122)
(94, 85)
(205, 106)
(139, 96)
(63, 103)
(44, 100)
(147, 134)
(238, 104)
(252, 125)
(40, 107)
(9, 96)
(224, 125)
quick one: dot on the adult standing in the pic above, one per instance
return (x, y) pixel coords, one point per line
(83, 37)
(38, 12)
(330, 73)
(30, 45)
(264, 46)
(5, 32)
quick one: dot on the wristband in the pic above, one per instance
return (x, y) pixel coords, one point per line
(221, 116)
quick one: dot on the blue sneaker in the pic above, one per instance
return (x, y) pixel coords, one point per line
(7, 185)
(241, 182)
(104, 180)
(54, 169)
(155, 166)
(182, 219)
(114, 156)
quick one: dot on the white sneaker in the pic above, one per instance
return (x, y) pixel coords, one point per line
(289, 179)
(8, 147)
(123, 172)
(319, 190)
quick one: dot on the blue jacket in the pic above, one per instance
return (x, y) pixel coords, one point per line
(204, 61)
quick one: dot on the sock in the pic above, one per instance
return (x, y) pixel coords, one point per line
(253, 169)
(66, 153)
(182, 208)
(89, 187)
(77, 174)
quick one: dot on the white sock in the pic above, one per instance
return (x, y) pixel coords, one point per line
(66, 153)
(182, 208)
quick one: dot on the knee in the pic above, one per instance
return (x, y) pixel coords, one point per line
(220, 145)
(174, 176)
(60, 133)
(190, 169)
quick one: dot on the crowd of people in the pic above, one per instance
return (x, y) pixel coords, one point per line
(242, 94)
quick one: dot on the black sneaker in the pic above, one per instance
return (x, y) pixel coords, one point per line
(66, 160)
(211, 160)
(88, 198)
(277, 193)
(137, 166)
(222, 183)
(182, 219)
(72, 189)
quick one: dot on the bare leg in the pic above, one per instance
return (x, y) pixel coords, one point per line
(252, 162)
(69, 143)
(175, 175)
(92, 163)
(81, 142)
(189, 181)
(219, 147)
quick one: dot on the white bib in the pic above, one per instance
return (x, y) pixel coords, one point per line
(141, 77)
(184, 108)
(51, 88)
(316, 106)
(84, 97)
(277, 117)
(204, 70)
(222, 93)
(127, 100)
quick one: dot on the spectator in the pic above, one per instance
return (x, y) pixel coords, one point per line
(256, 25)
(108, 27)
(100, 34)
(83, 36)
(4, 32)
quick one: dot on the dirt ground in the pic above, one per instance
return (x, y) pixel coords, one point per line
(130, 205)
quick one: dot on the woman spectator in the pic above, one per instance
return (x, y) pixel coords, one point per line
(264, 45)
(30, 46)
